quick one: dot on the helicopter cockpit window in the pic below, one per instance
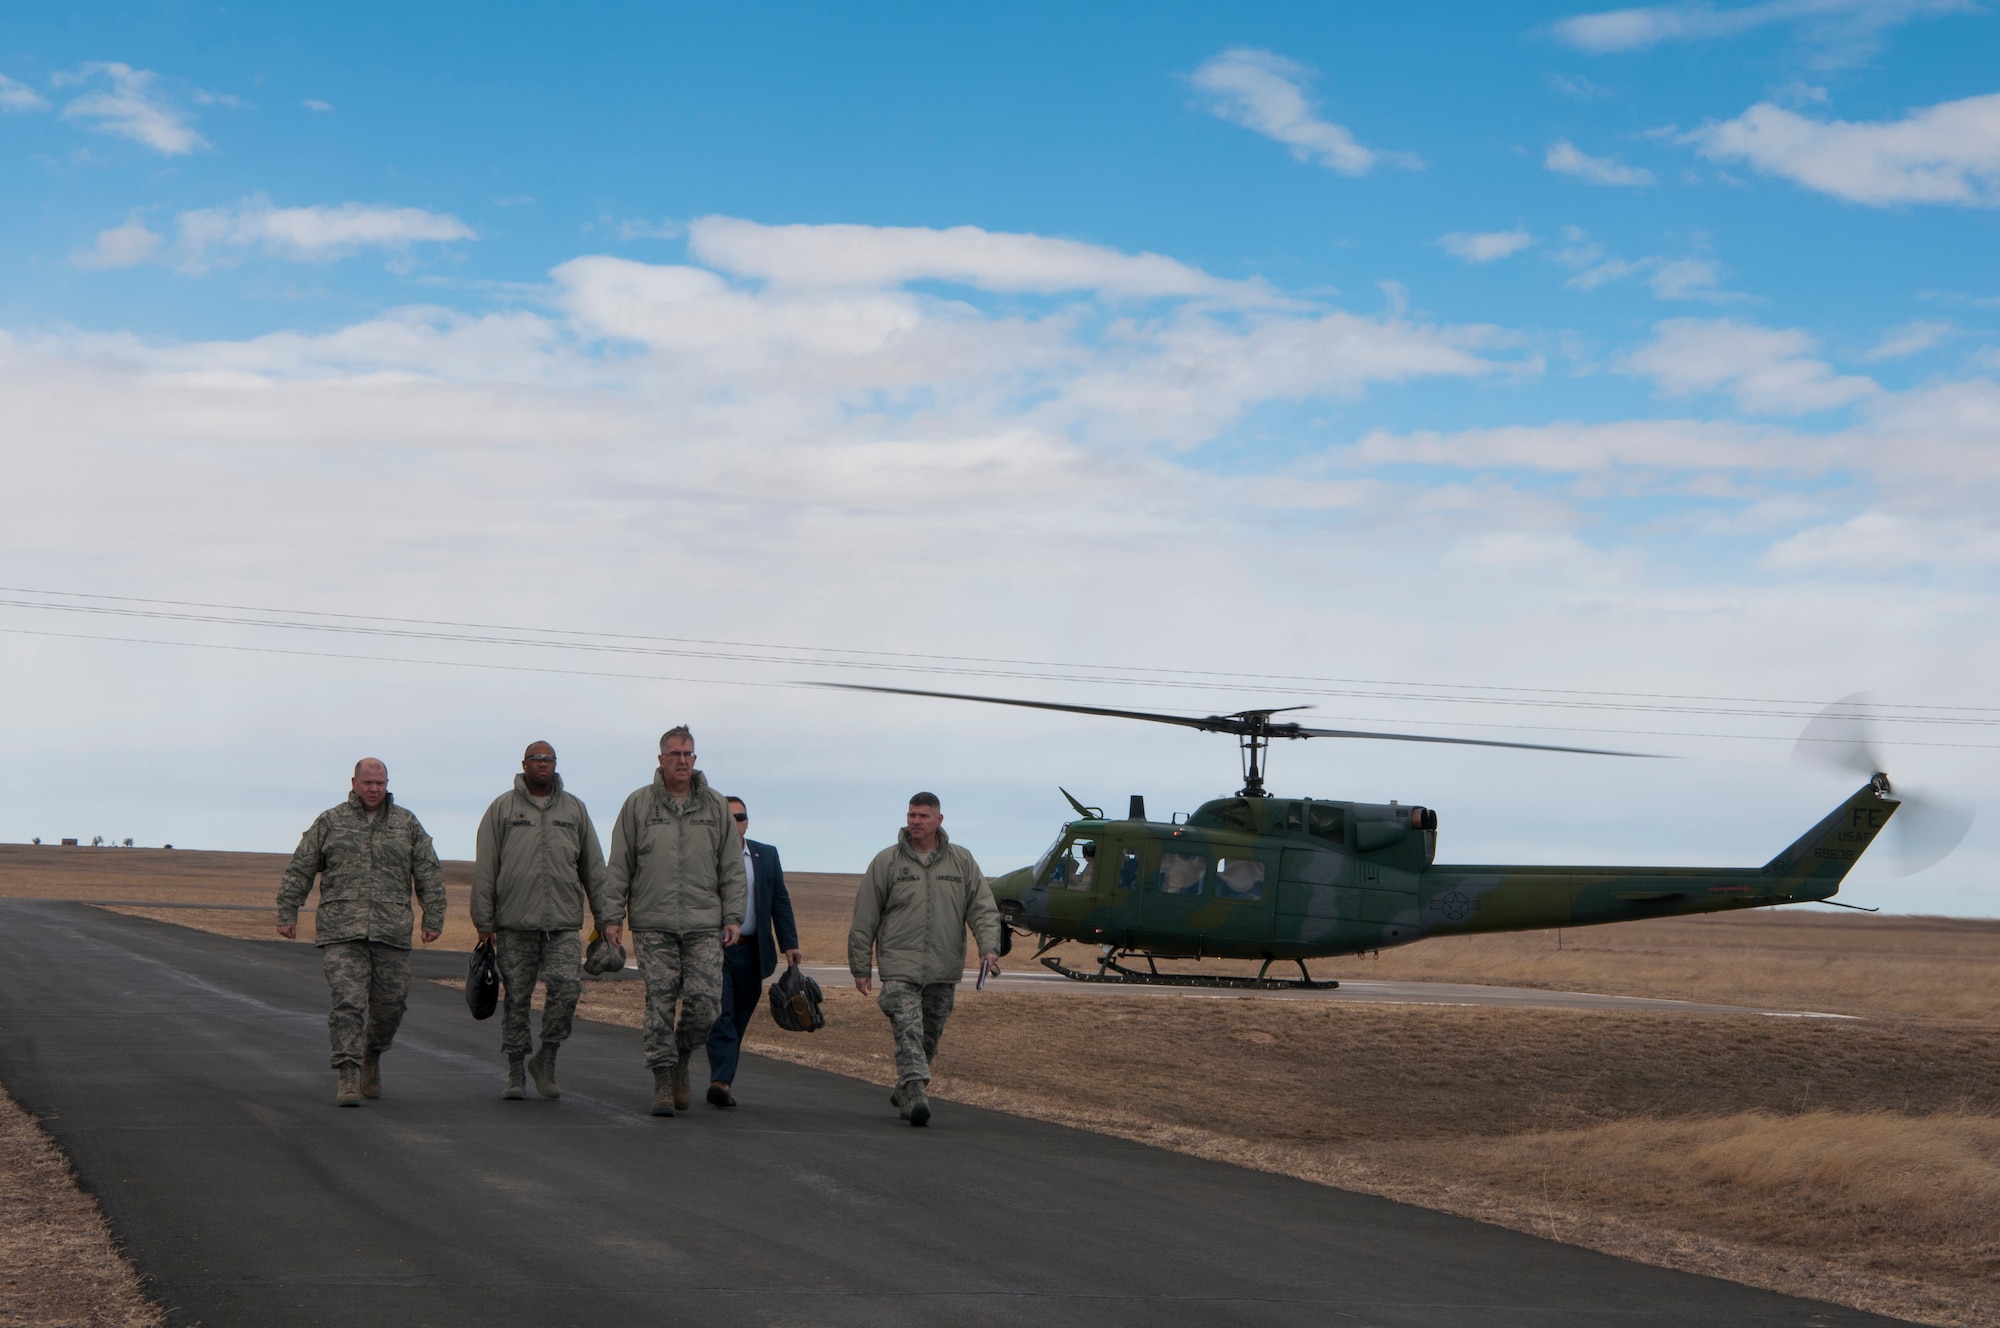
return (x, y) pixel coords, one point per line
(1128, 870)
(1181, 873)
(1239, 878)
(1058, 866)
(1328, 822)
(1081, 872)
(1294, 813)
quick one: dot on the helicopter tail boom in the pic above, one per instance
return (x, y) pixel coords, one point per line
(1814, 864)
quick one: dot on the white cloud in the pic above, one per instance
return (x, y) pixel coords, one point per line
(1909, 339)
(20, 97)
(1767, 371)
(639, 228)
(121, 246)
(1564, 157)
(1839, 32)
(209, 237)
(1948, 153)
(864, 256)
(130, 105)
(1265, 93)
(1880, 541)
(314, 104)
(1485, 246)
(1577, 86)
(1579, 448)
(1669, 278)
(1688, 279)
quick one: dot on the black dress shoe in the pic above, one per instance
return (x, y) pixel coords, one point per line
(720, 1096)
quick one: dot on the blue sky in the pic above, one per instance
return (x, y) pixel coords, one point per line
(1643, 351)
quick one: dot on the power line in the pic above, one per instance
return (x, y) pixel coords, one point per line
(810, 686)
(722, 651)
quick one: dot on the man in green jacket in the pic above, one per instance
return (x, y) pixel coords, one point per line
(676, 875)
(367, 853)
(910, 919)
(535, 864)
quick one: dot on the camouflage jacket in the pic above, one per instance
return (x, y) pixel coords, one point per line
(675, 866)
(534, 865)
(366, 866)
(912, 910)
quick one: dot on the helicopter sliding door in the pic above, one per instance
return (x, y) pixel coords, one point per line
(1205, 899)
(1174, 899)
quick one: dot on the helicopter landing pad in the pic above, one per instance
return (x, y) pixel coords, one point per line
(1018, 978)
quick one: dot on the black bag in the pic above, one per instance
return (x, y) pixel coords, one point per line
(482, 981)
(795, 1002)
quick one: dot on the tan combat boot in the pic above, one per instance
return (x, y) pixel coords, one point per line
(542, 1069)
(349, 1093)
(916, 1107)
(683, 1091)
(371, 1075)
(663, 1091)
(517, 1084)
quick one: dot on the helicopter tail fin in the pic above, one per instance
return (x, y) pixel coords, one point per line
(1818, 860)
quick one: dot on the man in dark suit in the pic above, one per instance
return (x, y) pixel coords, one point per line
(767, 928)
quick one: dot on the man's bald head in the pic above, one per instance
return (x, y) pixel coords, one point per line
(370, 783)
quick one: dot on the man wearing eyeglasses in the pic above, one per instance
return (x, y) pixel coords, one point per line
(767, 928)
(367, 854)
(535, 863)
(676, 871)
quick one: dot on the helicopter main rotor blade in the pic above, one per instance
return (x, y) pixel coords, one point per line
(1235, 723)
(1212, 724)
(1293, 731)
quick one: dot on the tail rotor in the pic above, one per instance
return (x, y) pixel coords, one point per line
(1928, 826)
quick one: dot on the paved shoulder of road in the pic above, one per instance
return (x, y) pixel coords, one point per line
(185, 1074)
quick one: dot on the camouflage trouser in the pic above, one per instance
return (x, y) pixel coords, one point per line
(556, 957)
(684, 967)
(918, 1015)
(370, 983)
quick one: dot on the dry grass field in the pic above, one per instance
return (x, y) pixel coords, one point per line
(1856, 1161)
(58, 1266)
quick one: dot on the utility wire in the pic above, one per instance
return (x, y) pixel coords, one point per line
(810, 686)
(447, 631)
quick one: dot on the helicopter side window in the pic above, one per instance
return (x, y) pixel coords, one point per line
(1239, 878)
(1128, 870)
(1328, 822)
(1181, 873)
(1294, 816)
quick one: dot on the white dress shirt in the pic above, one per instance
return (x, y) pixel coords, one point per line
(749, 927)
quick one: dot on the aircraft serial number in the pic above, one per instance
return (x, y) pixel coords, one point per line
(1831, 853)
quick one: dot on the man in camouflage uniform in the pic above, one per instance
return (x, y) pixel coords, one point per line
(910, 919)
(535, 864)
(367, 854)
(676, 875)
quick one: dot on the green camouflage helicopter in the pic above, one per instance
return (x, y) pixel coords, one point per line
(1291, 879)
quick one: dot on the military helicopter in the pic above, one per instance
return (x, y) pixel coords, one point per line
(1283, 879)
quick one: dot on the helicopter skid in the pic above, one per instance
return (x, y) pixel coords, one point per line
(1113, 972)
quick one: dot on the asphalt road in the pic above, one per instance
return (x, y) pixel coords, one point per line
(1022, 974)
(185, 1074)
